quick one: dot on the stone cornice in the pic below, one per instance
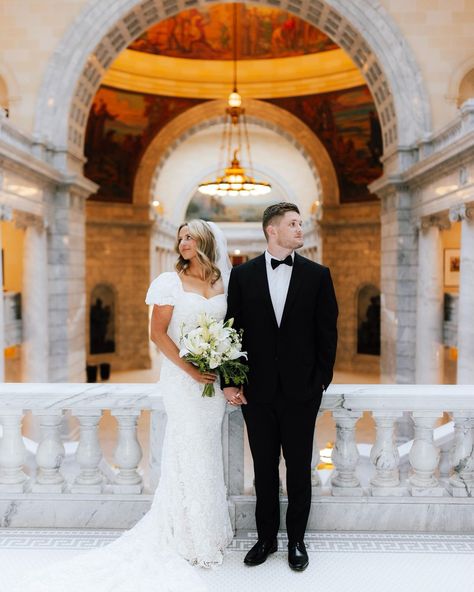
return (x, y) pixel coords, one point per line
(442, 162)
(434, 166)
(27, 164)
(26, 155)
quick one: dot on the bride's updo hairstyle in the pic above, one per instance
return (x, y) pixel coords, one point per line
(206, 249)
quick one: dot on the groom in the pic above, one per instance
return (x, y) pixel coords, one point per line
(287, 308)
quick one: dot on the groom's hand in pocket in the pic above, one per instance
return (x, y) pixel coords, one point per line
(234, 395)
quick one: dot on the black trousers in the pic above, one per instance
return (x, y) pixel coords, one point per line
(281, 424)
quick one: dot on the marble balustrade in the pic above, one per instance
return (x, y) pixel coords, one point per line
(429, 478)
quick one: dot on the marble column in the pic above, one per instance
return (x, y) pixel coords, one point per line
(398, 278)
(35, 299)
(66, 280)
(5, 214)
(429, 310)
(465, 370)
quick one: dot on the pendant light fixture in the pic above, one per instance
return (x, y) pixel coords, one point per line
(235, 181)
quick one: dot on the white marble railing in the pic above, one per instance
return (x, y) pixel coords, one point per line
(462, 125)
(386, 403)
(433, 474)
(13, 136)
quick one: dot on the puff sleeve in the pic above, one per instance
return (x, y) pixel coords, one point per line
(163, 290)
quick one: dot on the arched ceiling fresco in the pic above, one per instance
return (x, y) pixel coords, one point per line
(122, 121)
(206, 34)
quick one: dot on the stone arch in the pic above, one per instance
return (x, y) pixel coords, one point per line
(363, 28)
(210, 113)
(9, 91)
(464, 71)
(4, 97)
(466, 88)
(103, 314)
(368, 319)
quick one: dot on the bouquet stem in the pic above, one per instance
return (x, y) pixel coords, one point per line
(208, 390)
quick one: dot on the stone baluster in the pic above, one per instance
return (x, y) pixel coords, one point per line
(315, 460)
(424, 455)
(128, 453)
(464, 213)
(89, 454)
(384, 456)
(345, 454)
(50, 453)
(157, 432)
(462, 457)
(12, 453)
(445, 463)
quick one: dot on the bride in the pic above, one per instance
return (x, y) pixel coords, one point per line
(188, 523)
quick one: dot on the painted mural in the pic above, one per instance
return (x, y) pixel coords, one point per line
(347, 124)
(231, 209)
(121, 125)
(206, 33)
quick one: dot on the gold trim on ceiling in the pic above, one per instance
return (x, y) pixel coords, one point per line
(212, 79)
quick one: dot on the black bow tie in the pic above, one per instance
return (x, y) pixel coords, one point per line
(276, 262)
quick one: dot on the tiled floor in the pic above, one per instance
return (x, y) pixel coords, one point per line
(339, 562)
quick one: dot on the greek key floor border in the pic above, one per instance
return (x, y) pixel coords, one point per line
(316, 542)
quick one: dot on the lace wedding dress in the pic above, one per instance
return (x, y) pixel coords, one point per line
(188, 523)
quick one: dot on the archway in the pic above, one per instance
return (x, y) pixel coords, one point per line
(208, 114)
(368, 320)
(102, 319)
(361, 27)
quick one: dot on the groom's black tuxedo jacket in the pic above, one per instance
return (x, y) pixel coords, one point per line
(298, 356)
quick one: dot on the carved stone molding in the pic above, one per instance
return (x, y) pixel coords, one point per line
(6, 212)
(24, 220)
(461, 211)
(441, 220)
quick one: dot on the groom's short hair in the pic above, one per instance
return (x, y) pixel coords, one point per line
(277, 211)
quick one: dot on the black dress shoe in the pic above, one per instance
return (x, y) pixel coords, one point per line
(297, 556)
(260, 551)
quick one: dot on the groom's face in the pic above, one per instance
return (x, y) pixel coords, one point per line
(288, 231)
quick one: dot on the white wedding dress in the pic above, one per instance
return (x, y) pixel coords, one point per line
(188, 523)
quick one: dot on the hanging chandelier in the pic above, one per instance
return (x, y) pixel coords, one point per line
(235, 181)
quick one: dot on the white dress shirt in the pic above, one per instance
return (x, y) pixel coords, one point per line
(278, 283)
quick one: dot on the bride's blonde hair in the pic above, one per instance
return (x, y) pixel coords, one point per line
(206, 249)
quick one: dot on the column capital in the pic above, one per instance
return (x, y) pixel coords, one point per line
(25, 220)
(461, 211)
(440, 220)
(6, 212)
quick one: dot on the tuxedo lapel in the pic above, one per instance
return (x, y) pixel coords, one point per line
(262, 286)
(295, 282)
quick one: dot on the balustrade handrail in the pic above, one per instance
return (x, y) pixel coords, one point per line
(432, 472)
(350, 397)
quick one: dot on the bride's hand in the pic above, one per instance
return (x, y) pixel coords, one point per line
(202, 377)
(234, 395)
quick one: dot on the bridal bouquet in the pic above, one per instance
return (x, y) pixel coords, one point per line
(214, 345)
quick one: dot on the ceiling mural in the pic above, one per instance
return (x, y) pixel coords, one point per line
(347, 124)
(122, 124)
(120, 127)
(206, 33)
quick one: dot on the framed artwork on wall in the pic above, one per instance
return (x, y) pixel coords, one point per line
(452, 262)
